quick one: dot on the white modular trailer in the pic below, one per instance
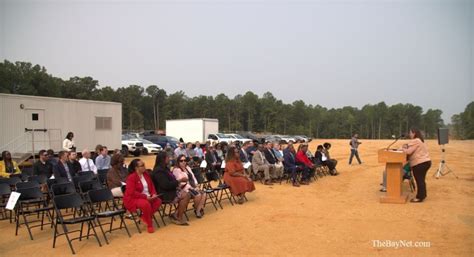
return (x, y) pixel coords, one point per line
(32, 123)
(192, 130)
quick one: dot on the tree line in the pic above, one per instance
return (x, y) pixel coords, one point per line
(148, 108)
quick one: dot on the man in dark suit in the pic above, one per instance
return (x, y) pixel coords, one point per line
(42, 167)
(213, 162)
(63, 168)
(275, 164)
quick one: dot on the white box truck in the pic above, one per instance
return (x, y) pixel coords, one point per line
(192, 130)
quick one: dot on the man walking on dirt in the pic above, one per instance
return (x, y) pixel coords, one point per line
(354, 145)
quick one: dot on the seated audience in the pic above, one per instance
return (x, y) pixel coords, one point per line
(198, 152)
(86, 162)
(8, 166)
(212, 160)
(235, 177)
(275, 163)
(182, 170)
(102, 161)
(169, 188)
(64, 169)
(140, 193)
(260, 163)
(116, 178)
(51, 159)
(303, 159)
(219, 151)
(42, 167)
(190, 153)
(290, 164)
(76, 166)
(331, 163)
(180, 150)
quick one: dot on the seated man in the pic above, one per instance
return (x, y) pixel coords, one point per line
(42, 167)
(102, 161)
(290, 165)
(260, 163)
(274, 162)
(64, 169)
(86, 162)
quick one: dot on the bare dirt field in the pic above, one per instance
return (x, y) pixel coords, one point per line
(334, 216)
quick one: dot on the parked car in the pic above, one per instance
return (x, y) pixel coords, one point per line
(131, 144)
(274, 138)
(254, 137)
(162, 140)
(300, 139)
(219, 138)
(150, 147)
(239, 138)
(287, 139)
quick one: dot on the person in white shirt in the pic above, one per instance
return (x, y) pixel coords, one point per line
(68, 143)
(86, 162)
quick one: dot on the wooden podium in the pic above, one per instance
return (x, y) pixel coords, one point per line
(394, 161)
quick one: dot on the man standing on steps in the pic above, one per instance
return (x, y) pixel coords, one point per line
(354, 145)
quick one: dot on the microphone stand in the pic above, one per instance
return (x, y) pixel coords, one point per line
(388, 147)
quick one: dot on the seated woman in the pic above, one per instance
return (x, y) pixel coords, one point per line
(318, 156)
(331, 163)
(169, 188)
(8, 166)
(302, 159)
(140, 193)
(182, 170)
(115, 177)
(234, 175)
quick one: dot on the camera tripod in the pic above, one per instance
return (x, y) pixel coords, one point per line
(443, 168)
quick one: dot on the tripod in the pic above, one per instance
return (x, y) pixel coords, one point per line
(443, 168)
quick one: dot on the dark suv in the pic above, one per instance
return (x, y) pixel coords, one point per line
(162, 140)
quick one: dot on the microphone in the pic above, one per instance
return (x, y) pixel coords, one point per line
(396, 139)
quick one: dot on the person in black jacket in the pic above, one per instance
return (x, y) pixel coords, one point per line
(76, 166)
(42, 167)
(168, 188)
(63, 168)
(275, 164)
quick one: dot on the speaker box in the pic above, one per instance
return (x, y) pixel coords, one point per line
(443, 136)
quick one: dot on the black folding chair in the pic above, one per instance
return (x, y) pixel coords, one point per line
(12, 181)
(40, 179)
(31, 202)
(5, 192)
(104, 197)
(78, 179)
(102, 176)
(86, 186)
(210, 194)
(28, 184)
(74, 201)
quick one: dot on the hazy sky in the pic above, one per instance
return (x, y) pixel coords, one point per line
(332, 53)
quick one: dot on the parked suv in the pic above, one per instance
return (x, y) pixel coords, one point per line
(219, 138)
(131, 144)
(163, 140)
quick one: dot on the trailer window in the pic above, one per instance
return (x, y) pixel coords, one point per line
(103, 123)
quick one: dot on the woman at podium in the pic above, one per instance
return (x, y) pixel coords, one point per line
(419, 160)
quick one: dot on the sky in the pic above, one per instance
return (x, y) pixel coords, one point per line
(331, 53)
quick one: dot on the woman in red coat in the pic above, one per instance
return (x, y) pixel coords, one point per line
(140, 193)
(235, 177)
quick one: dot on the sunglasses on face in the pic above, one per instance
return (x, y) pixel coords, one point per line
(182, 160)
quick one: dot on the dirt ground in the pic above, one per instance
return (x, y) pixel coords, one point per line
(334, 216)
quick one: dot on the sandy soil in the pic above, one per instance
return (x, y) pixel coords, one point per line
(335, 216)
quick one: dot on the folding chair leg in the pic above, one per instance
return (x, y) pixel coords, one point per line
(102, 230)
(95, 233)
(66, 233)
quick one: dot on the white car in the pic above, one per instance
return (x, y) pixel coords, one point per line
(239, 138)
(219, 138)
(287, 139)
(150, 147)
